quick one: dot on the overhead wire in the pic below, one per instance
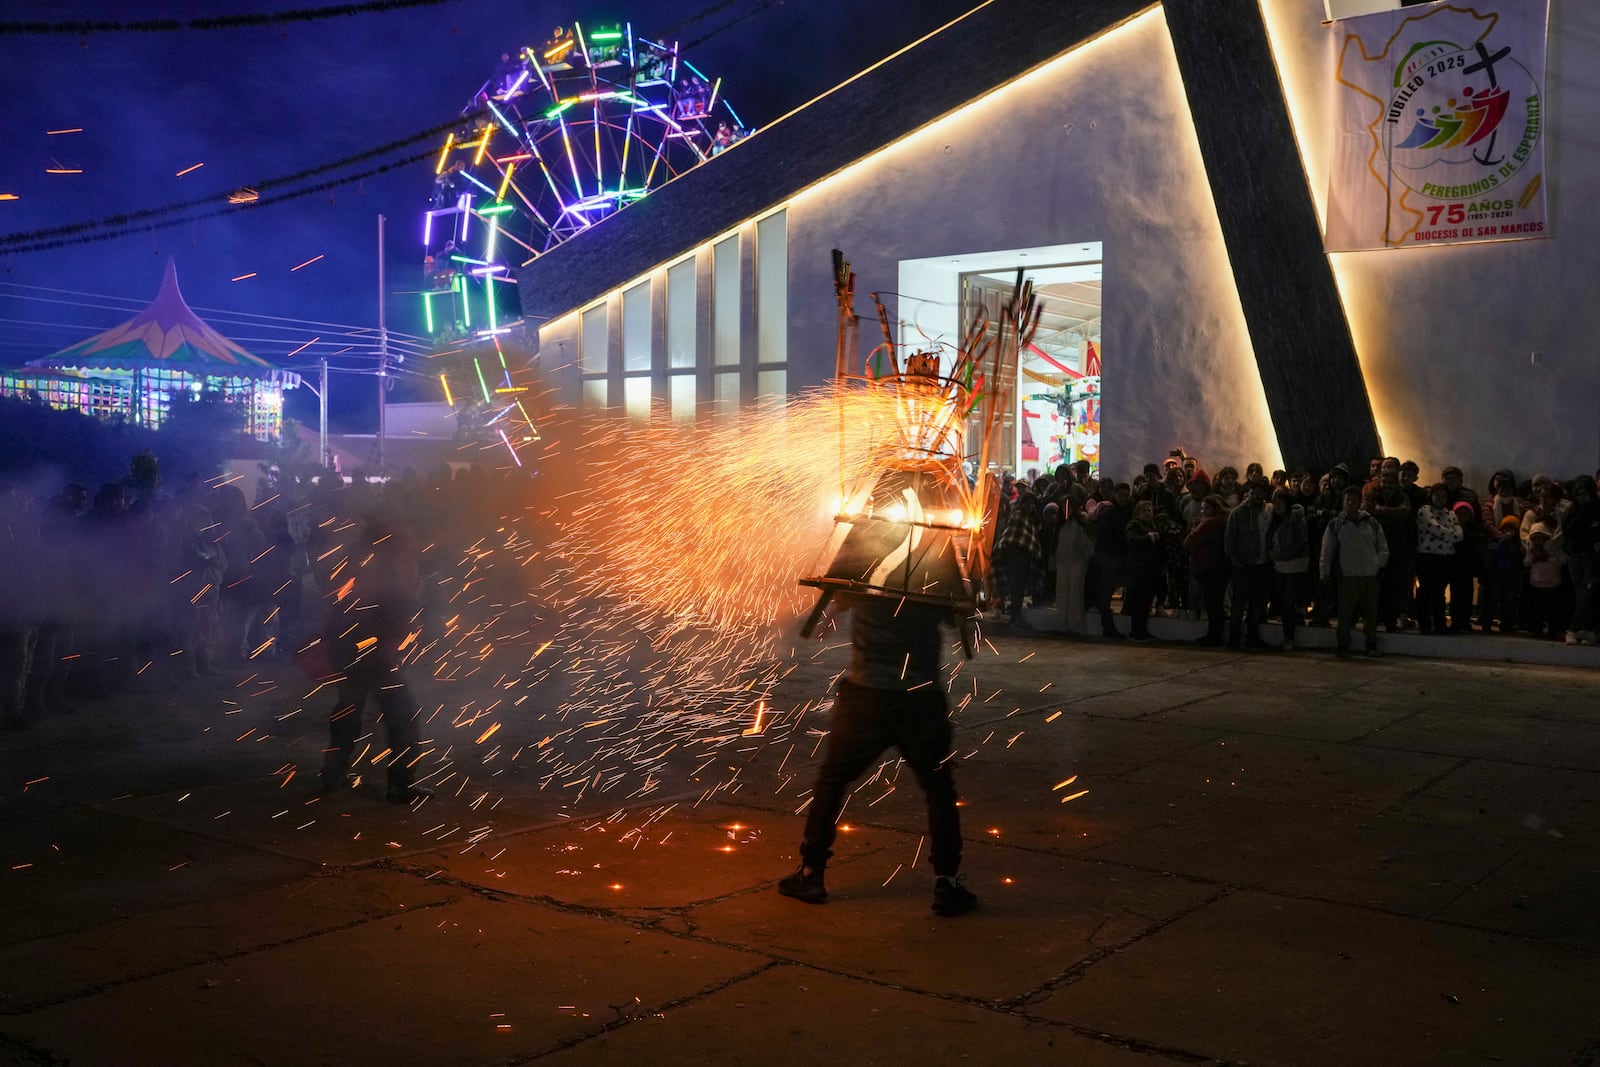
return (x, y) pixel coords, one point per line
(217, 22)
(121, 224)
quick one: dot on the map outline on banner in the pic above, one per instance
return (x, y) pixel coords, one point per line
(1487, 208)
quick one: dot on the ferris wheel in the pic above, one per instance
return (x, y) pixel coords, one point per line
(562, 135)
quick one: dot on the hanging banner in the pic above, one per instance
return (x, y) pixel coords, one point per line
(1438, 126)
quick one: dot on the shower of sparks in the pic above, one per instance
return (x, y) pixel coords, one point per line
(189, 169)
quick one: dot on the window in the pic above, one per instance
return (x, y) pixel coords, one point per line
(772, 289)
(636, 328)
(681, 294)
(592, 342)
(725, 302)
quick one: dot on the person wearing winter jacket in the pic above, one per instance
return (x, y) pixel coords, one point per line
(1353, 546)
(1144, 567)
(1208, 564)
(1245, 541)
(1290, 550)
(1074, 547)
(1580, 534)
(1438, 536)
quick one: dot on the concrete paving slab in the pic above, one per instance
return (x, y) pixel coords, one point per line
(1307, 714)
(1516, 738)
(42, 971)
(1549, 891)
(1142, 698)
(1078, 742)
(648, 861)
(353, 826)
(1262, 979)
(74, 869)
(1038, 915)
(1357, 858)
(472, 982)
(1110, 810)
(1505, 798)
(842, 1020)
(1304, 772)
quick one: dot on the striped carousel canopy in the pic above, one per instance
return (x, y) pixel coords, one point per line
(166, 335)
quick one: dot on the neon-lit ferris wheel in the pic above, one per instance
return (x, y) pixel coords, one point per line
(561, 136)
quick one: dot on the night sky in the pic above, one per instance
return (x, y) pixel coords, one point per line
(258, 103)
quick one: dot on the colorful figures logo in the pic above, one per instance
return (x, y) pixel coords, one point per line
(1461, 120)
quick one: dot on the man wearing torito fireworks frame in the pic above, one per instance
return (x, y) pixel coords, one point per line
(906, 545)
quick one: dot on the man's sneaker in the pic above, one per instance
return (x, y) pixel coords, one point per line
(805, 884)
(1572, 638)
(406, 794)
(952, 897)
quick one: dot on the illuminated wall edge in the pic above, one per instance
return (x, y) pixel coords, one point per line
(1130, 41)
(1301, 75)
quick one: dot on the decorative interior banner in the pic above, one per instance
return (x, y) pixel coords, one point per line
(1438, 126)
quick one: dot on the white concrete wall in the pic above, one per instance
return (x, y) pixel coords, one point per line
(1096, 145)
(1446, 335)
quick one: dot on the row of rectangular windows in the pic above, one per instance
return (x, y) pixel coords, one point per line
(647, 349)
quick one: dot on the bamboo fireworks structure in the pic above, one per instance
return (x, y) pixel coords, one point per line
(913, 525)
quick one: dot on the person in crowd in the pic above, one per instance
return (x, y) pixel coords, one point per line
(1353, 554)
(19, 578)
(1018, 551)
(1144, 567)
(1580, 536)
(1470, 554)
(371, 619)
(1245, 544)
(1074, 547)
(1385, 501)
(1329, 503)
(1226, 485)
(1110, 559)
(1438, 537)
(1206, 544)
(1289, 547)
(1544, 563)
(1504, 574)
(890, 695)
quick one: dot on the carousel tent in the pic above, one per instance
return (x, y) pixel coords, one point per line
(134, 369)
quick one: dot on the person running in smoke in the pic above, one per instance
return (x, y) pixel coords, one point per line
(891, 694)
(372, 619)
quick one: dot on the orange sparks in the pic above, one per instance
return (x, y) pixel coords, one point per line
(490, 732)
(9, 196)
(242, 277)
(307, 263)
(1063, 785)
(52, 133)
(1074, 796)
(190, 170)
(303, 347)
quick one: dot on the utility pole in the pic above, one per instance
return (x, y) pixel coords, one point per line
(322, 404)
(383, 353)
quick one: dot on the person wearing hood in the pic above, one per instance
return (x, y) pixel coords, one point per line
(1580, 533)
(1290, 549)
(1391, 506)
(1354, 552)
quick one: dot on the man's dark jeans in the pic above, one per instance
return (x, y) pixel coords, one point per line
(866, 722)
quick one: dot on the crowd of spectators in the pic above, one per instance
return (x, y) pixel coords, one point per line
(1302, 549)
(139, 580)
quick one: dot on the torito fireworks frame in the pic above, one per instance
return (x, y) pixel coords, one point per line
(912, 525)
